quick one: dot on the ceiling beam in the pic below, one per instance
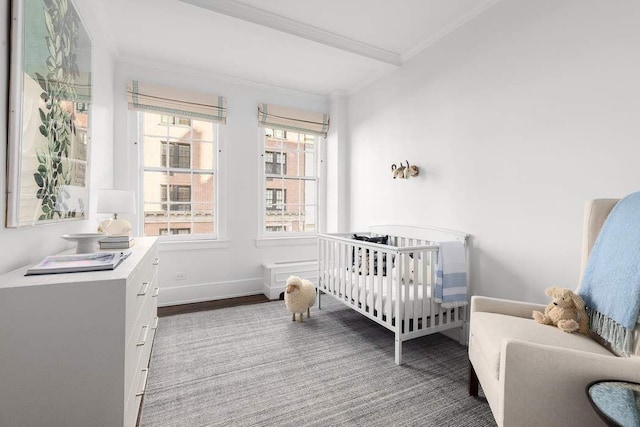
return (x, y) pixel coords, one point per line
(290, 26)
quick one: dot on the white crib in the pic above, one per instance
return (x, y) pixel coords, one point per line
(363, 275)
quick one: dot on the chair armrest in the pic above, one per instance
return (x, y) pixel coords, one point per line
(545, 385)
(503, 306)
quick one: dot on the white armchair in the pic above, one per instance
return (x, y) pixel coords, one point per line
(533, 374)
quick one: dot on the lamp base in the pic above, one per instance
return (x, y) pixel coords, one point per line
(115, 227)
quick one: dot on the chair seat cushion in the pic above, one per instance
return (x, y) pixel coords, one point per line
(488, 330)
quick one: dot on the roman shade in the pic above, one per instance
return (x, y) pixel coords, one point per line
(176, 102)
(276, 116)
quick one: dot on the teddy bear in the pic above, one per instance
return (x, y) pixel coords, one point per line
(566, 311)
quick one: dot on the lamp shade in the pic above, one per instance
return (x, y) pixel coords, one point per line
(116, 201)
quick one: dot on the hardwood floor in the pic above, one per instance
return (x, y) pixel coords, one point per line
(211, 305)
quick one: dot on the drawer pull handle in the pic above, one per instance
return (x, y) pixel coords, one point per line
(145, 332)
(156, 261)
(155, 325)
(145, 372)
(143, 290)
(156, 293)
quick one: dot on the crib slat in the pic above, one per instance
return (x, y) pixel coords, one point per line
(407, 299)
(397, 289)
(390, 277)
(363, 276)
(434, 304)
(336, 271)
(348, 271)
(333, 267)
(351, 266)
(344, 271)
(329, 266)
(415, 302)
(374, 283)
(370, 282)
(425, 286)
(322, 263)
(329, 271)
(360, 267)
(379, 277)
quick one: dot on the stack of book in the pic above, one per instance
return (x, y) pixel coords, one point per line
(116, 242)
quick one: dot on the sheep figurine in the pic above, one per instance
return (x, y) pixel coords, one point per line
(299, 295)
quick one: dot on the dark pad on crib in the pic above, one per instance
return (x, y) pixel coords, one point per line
(381, 240)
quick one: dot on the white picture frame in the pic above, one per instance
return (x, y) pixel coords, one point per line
(49, 114)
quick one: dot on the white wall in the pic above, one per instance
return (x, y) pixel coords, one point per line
(21, 246)
(235, 268)
(515, 119)
(337, 171)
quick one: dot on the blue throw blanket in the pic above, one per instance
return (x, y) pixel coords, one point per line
(611, 281)
(451, 275)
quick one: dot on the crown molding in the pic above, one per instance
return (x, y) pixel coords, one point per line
(290, 26)
(203, 74)
(372, 78)
(410, 53)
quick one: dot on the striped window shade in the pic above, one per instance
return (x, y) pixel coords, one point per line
(176, 102)
(275, 116)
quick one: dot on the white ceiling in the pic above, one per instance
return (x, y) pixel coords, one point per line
(307, 45)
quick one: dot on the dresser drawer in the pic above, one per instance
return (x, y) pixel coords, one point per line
(132, 405)
(139, 381)
(140, 341)
(139, 285)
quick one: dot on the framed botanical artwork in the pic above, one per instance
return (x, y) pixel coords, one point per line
(49, 104)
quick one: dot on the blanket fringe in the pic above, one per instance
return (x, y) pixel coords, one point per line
(620, 338)
(447, 305)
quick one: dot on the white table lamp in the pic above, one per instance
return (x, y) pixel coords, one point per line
(116, 202)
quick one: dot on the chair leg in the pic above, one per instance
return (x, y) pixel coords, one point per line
(473, 381)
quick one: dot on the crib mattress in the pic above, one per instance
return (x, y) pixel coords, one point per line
(373, 291)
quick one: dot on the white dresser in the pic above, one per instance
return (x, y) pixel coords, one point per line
(75, 348)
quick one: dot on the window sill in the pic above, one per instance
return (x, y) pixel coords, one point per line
(287, 241)
(189, 245)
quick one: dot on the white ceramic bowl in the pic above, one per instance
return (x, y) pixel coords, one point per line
(87, 242)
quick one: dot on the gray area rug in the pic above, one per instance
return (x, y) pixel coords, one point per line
(253, 366)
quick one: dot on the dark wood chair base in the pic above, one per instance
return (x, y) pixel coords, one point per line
(473, 381)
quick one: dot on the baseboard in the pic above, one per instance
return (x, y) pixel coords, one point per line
(209, 291)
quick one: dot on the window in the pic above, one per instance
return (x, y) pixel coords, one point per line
(276, 198)
(179, 155)
(290, 182)
(176, 193)
(174, 231)
(174, 120)
(179, 175)
(275, 163)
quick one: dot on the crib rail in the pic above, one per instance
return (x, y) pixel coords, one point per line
(391, 284)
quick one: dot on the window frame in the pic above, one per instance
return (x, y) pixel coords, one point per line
(265, 237)
(218, 238)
